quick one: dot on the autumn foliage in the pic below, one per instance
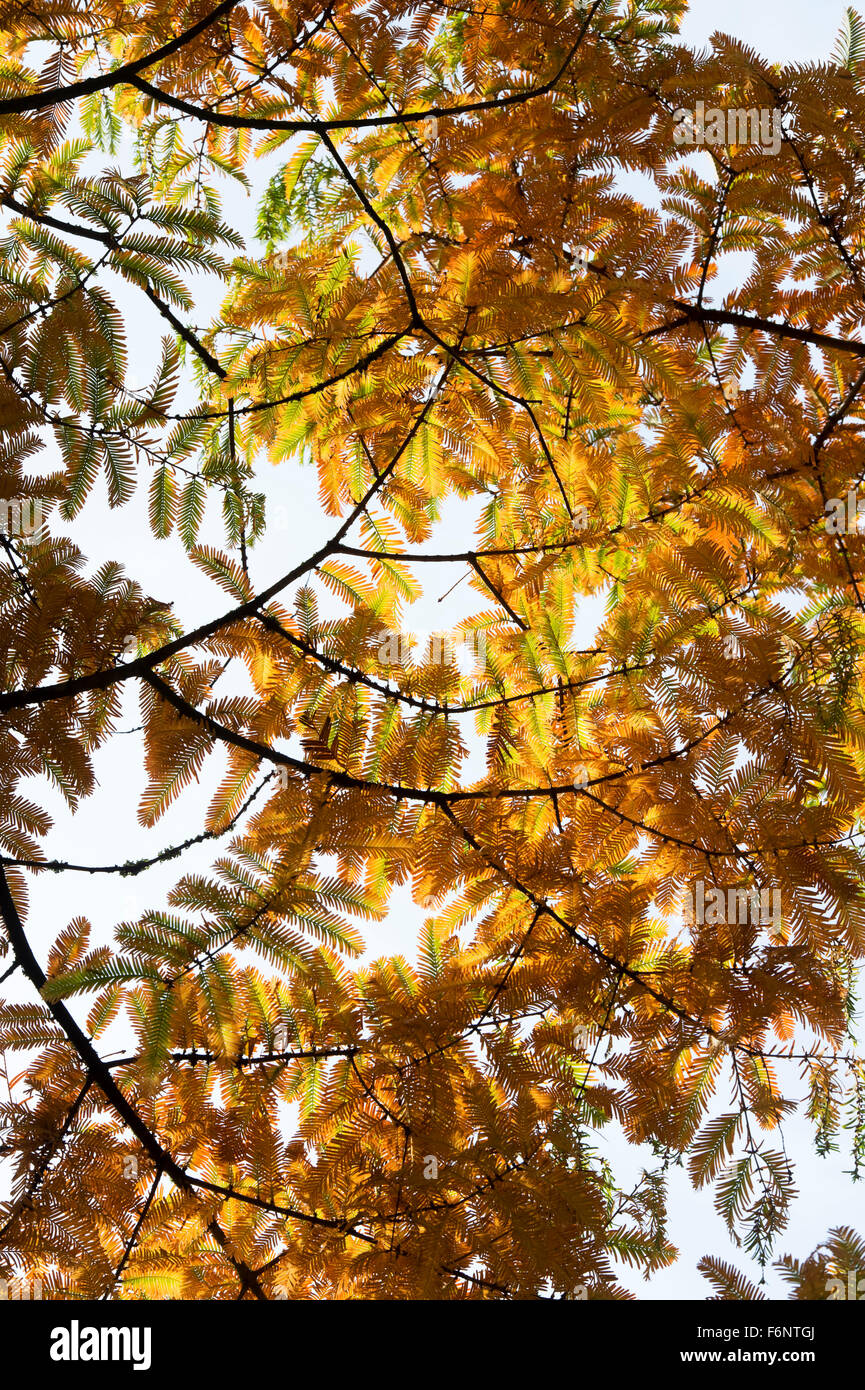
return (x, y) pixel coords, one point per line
(490, 275)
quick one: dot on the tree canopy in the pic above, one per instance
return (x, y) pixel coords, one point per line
(493, 243)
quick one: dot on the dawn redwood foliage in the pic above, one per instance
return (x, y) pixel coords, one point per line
(462, 296)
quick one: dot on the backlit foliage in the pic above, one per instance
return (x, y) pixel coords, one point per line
(461, 297)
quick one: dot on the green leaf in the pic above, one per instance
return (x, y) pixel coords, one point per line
(849, 48)
(191, 511)
(163, 501)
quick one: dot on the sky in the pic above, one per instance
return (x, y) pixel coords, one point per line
(105, 829)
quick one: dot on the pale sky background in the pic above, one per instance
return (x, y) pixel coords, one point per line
(105, 828)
